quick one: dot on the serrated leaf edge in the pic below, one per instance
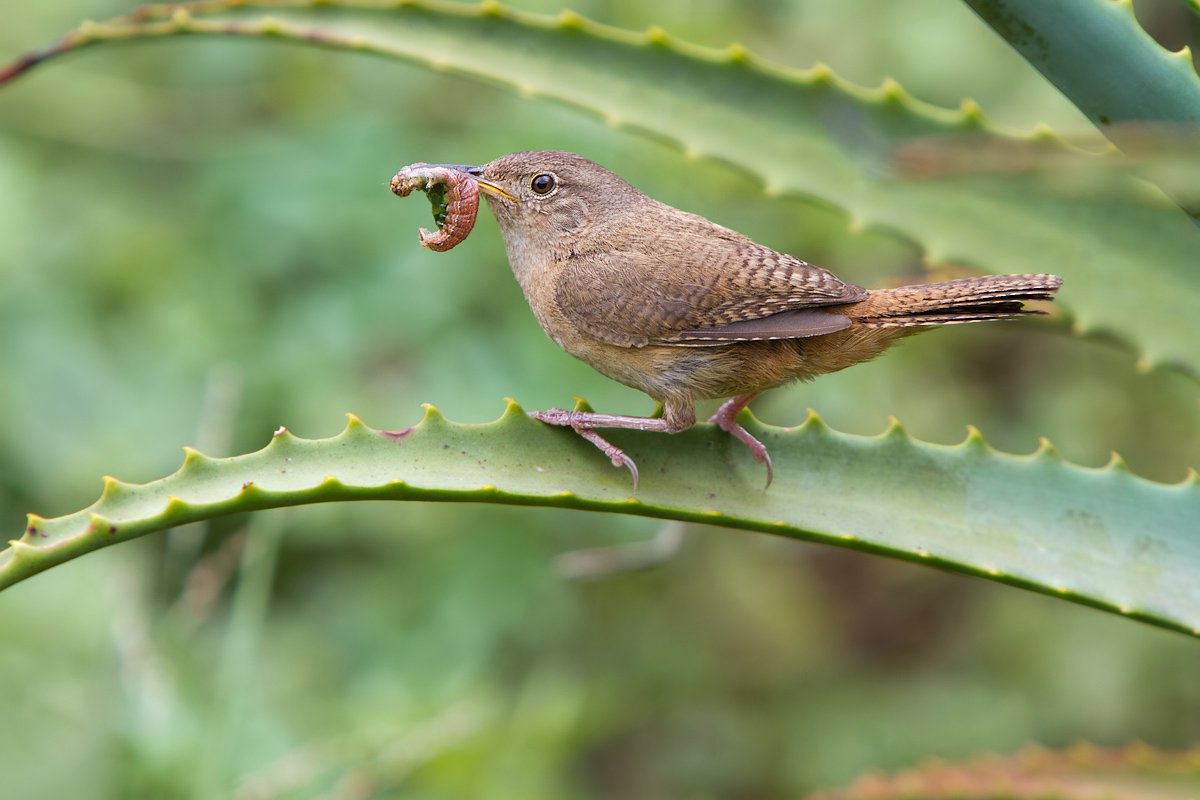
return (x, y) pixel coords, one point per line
(46, 542)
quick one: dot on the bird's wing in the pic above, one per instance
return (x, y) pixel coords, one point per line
(716, 292)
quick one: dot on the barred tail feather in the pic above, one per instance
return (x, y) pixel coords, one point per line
(950, 302)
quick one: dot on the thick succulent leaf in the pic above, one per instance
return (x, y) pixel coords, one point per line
(1127, 253)
(1097, 536)
(1108, 66)
(1089, 50)
(1084, 772)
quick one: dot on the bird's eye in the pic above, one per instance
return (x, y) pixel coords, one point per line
(543, 183)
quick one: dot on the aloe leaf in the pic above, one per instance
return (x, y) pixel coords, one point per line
(1102, 537)
(1098, 55)
(1083, 772)
(1128, 255)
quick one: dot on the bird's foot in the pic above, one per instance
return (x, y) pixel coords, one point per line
(726, 420)
(580, 422)
(615, 454)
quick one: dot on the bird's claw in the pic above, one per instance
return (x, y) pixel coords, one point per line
(571, 419)
(726, 422)
(615, 454)
(763, 457)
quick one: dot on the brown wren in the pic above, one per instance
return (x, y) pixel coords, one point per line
(684, 309)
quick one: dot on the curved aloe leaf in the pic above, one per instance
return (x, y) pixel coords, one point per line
(1098, 55)
(1090, 49)
(1128, 257)
(1102, 537)
(1084, 772)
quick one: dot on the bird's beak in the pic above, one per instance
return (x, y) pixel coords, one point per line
(492, 188)
(485, 185)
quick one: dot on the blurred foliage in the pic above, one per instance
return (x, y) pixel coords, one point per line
(197, 245)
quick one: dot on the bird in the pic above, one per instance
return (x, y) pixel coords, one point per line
(683, 309)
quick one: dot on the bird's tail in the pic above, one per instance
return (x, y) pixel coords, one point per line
(962, 300)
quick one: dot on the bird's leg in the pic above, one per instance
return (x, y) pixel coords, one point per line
(677, 417)
(726, 419)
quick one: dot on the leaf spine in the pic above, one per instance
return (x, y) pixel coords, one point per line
(891, 90)
(33, 525)
(737, 54)
(975, 439)
(895, 430)
(175, 505)
(1116, 463)
(820, 73)
(512, 410)
(1046, 449)
(571, 21)
(98, 524)
(657, 36)
(813, 423)
(1042, 132)
(25, 552)
(971, 111)
(192, 458)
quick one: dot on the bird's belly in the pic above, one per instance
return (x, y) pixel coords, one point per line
(696, 372)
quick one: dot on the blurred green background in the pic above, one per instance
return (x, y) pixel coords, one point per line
(197, 245)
